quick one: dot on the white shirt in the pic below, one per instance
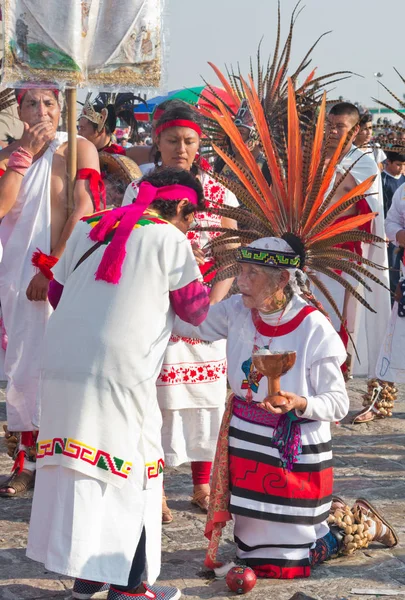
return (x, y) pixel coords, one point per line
(395, 220)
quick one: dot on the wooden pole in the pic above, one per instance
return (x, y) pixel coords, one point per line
(72, 145)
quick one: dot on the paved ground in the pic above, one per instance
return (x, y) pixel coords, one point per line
(369, 462)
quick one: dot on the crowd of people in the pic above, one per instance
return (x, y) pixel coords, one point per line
(132, 322)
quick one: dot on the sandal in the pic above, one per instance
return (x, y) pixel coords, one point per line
(19, 482)
(378, 402)
(201, 498)
(167, 516)
(390, 538)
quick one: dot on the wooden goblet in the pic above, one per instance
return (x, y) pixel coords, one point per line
(274, 365)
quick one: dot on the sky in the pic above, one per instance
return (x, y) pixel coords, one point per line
(367, 37)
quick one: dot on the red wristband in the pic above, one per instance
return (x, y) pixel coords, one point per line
(44, 263)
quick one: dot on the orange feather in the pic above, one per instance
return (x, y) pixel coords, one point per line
(294, 160)
(342, 227)
(359, 190)
(225, 83)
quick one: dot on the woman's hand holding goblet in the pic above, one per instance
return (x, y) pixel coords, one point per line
(283, 403)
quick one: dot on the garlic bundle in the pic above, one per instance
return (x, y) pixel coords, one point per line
(385, 399)
(354, 526)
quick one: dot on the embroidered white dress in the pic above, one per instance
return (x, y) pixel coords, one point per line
(191, 386)
(278, 515)
(99, 459)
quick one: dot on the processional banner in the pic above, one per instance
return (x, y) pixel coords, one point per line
(71, 43)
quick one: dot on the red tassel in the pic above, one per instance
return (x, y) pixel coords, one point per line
(44, 262)
(19, 462)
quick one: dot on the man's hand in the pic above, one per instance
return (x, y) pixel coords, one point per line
(38, 288)
(198, 254)
(401, 238)
(290, 402)
(36, 137)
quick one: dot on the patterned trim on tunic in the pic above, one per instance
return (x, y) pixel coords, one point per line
(154, 469)
(191, 373)
(80, 451)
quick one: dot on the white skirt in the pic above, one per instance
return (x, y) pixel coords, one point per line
(82, 527)
(190, 434)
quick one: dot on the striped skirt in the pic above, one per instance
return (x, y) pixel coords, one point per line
(278, 515)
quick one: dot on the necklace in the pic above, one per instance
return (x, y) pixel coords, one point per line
(253, 374)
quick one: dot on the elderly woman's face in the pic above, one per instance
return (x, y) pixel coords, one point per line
(259, 286)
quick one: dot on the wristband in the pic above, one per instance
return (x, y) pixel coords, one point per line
(20, 160)
(44, 263)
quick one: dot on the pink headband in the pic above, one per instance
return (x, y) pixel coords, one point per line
(23, 91)
(110, 267)
(179, 123)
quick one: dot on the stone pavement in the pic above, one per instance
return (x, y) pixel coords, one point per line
(369, 462)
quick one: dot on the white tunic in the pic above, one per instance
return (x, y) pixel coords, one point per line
(280, 532)
(367, 328)
(391, 362)
(100, 419)
(23, 230)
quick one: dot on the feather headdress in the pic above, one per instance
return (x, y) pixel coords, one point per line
(299, 203)
(394, 141)
(270, 80)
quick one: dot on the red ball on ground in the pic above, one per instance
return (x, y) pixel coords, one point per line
(241, 579)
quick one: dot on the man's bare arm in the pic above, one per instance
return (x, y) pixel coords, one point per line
(33, 141)
(87, 158)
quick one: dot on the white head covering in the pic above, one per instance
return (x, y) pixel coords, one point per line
(271, 243)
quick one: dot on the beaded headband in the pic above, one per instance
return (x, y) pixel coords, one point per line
(268, 258)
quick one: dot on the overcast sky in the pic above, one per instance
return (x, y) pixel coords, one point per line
(367, 37)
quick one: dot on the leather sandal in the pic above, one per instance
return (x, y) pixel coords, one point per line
(20, 482)
(167, 516)
(201, 498)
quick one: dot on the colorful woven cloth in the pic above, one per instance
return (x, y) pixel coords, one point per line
(218, 510)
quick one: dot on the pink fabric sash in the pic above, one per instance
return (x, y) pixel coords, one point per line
(110, 268)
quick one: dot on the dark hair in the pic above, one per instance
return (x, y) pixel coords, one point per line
(111, 121)
(393, 156)
(180, 110)
(170, 103)
(345, 108)
(170, 176)
(365, 118)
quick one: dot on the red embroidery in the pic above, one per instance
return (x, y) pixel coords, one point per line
(190, 341)
(214, 192)
(192, 373)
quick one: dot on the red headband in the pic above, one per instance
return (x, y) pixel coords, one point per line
(127, 217)
(179, 123)
(23, 91)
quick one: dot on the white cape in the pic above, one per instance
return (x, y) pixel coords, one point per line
(24, 229)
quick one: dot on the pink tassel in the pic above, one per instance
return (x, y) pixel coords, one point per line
(110, 267)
